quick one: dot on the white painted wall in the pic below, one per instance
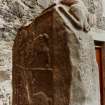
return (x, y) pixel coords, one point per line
(98, 35)
(104, 8)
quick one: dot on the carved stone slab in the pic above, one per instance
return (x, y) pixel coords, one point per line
(41, 66)
(54, 63)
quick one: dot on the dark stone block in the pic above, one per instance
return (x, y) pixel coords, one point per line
(41, 66)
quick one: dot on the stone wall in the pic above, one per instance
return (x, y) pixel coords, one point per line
(95, 6)
(15, 13)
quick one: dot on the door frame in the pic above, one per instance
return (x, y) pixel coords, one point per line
(101, 46)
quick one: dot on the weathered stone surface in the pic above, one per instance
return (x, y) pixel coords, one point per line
(85, 77)
(5, 72)
(40, 51)
(13, 14)
(84, 88)
(54, 63)
(97, 7)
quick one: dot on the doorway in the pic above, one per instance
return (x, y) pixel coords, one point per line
(100, 57)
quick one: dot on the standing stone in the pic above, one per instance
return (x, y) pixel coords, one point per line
(41, 68)
(54, 63)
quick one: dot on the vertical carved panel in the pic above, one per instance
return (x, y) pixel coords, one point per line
(41, 66)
